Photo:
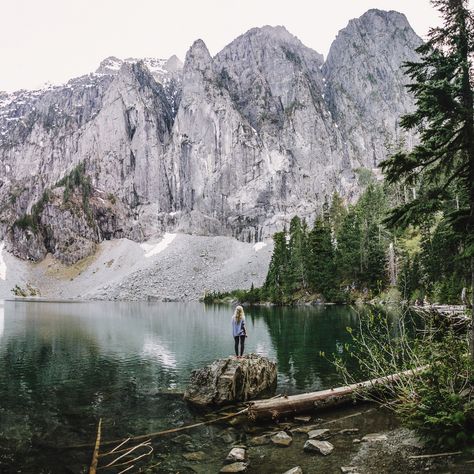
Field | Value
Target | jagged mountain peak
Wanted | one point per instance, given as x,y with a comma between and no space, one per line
173,64
110,65
388,15
161,69
197,58
273,37
377,22
278,32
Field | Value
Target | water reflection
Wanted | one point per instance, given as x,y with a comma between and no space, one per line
2,320
64,365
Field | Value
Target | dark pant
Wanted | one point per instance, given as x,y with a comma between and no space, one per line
242,344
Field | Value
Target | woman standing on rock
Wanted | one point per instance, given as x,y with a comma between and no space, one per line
238,330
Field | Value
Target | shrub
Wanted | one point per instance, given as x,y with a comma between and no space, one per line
437,401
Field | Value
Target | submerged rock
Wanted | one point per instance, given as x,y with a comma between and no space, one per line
231,380
195,456
259,440
282,439
236,455
321,447
295,470
234,467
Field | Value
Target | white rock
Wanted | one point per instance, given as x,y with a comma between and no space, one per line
236,455
295,470
321,447
281,439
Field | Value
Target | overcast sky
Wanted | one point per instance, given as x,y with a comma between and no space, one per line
55,40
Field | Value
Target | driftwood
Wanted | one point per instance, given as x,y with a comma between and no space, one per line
442,309
306,402
95,454
159,433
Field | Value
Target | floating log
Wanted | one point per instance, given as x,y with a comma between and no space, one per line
307,402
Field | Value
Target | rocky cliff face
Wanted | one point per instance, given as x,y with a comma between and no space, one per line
231,145
365,84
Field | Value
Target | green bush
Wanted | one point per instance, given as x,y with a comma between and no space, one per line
440,407
437,401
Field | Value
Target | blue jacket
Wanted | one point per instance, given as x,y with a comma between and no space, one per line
238,328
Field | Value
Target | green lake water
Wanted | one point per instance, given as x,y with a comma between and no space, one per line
65,365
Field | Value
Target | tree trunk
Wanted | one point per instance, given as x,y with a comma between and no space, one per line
306,402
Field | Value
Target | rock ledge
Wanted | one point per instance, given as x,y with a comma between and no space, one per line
231,380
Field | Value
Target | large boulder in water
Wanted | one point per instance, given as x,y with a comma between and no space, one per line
231,380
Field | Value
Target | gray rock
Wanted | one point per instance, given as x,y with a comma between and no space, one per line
282,439
319,434
295,470
227,437
349,469
236,455
321,447
304,429
235,467
230,380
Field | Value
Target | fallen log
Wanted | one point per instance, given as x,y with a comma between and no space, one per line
306,402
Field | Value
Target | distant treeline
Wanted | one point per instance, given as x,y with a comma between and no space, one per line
349,253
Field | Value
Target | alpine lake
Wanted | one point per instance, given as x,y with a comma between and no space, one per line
65,365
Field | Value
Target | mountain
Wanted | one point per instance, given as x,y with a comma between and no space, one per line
228,145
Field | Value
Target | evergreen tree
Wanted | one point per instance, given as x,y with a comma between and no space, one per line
296,278
348,254
443,162
337,212
320,259
274,283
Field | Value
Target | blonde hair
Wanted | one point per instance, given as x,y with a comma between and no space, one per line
239,313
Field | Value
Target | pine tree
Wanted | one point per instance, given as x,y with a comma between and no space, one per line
320,259
444,159
349,243
274,283
296,277
337,212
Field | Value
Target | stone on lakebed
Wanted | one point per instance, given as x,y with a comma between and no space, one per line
321,447
282,439
295,470
235,455
235,467
231,380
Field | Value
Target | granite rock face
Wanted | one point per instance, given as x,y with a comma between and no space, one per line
365,84
234,144
231,380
